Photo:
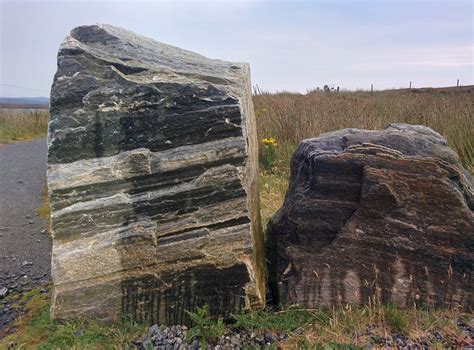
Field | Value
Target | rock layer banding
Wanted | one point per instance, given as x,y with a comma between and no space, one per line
381,215
152,176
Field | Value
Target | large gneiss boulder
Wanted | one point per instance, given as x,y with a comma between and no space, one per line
152,176
382,215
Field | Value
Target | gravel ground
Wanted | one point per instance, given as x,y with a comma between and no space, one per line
25,250
174,338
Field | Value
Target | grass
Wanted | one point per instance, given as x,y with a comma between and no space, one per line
272,192
340,328
290,118
360,326
352,327
36,330
18,124
285,321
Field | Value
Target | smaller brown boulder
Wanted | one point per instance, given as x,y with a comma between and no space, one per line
385,214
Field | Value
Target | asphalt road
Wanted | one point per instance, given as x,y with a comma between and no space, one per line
25,252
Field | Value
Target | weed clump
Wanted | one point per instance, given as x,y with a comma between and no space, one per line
205,328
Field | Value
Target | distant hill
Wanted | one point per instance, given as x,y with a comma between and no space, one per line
24,102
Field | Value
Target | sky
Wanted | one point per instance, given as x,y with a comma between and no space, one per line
290,45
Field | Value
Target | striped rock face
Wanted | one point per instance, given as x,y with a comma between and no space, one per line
152,176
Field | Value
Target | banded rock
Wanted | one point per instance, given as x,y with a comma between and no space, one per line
385,214
152,176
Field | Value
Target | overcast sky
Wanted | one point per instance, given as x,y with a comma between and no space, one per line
293,45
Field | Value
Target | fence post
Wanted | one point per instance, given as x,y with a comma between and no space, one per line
372,87
457,83
410,85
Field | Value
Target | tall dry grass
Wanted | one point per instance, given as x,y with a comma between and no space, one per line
19,124
290,117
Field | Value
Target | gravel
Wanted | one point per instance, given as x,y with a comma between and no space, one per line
174,338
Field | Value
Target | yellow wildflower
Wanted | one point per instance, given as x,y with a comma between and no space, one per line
270,141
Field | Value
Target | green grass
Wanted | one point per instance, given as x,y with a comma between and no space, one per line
16,125
348,327
285,321
396,320
343,327
204,327
36,330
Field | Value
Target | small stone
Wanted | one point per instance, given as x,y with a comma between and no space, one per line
269,338
234,340
26,263
147,344
259,340
3,292
153,329
195,344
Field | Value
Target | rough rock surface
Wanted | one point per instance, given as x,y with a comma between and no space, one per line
152,175
385,214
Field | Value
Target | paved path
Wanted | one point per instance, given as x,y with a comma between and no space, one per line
24,250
